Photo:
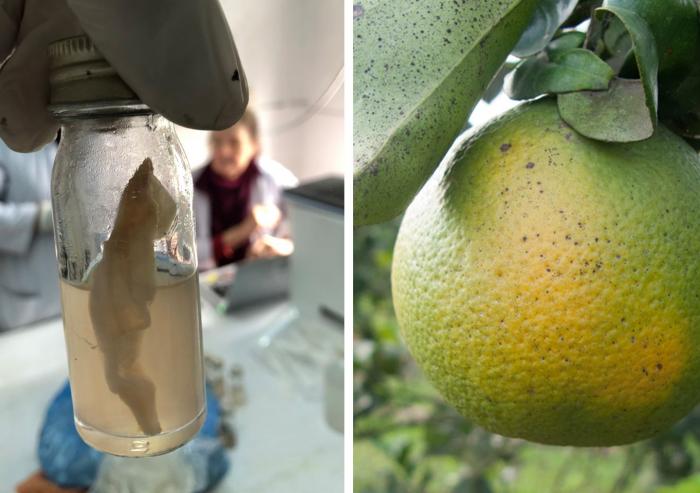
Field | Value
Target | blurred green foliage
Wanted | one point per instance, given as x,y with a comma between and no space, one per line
407,440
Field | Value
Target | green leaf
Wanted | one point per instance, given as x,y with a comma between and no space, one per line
582,12
563,71
627,111
407,443
616,38
676,30
566,41
375,471
547,18
420,68
616,115
691,484
645,52
443,474
611,41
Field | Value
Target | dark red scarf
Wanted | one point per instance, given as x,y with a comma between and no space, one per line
230,205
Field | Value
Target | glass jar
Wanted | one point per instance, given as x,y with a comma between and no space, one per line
123,223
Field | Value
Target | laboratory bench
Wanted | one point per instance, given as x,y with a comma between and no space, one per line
283,441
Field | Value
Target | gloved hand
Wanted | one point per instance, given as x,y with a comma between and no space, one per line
267,216
177,55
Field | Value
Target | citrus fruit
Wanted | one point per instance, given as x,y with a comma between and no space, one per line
549,285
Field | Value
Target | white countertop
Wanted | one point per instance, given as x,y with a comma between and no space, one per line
284,443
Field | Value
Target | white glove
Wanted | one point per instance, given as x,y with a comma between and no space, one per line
177,55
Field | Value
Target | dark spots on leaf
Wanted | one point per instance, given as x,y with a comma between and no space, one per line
357,11
530,165
659,366
644,370
505,147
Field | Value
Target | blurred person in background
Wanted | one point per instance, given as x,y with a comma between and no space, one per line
238,199
28,276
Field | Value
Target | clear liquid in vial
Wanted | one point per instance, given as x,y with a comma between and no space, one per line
138,394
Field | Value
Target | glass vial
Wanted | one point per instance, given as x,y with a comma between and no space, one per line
122,201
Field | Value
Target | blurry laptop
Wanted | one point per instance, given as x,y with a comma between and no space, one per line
252,282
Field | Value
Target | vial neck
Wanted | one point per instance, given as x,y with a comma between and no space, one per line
89,123
98,109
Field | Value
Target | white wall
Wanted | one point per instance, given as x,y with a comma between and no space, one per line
292,51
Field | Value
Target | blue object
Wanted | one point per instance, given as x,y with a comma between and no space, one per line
71,463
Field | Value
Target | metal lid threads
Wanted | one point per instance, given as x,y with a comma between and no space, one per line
78,73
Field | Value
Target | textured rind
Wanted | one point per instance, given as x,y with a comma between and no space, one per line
549,285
